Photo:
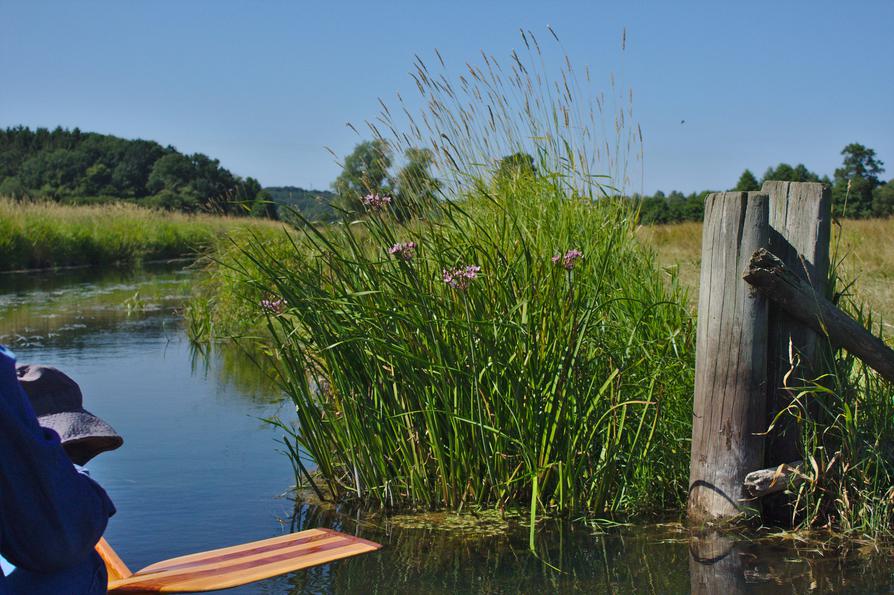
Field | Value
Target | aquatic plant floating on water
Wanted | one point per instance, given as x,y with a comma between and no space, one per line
569,259
403,250
460,277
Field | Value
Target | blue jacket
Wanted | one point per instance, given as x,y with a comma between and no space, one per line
51,516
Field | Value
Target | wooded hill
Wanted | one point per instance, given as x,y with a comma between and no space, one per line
75,167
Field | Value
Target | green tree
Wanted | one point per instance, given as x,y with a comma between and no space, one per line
96,180
13,188
855,181
882,200
860,161
514,166
786,173
365,172
747,182
415,186
172,172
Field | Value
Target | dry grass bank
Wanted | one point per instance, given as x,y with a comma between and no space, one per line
866,247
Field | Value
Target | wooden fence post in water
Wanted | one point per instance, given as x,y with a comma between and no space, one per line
800,228
729,408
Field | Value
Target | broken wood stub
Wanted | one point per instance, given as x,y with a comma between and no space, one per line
763,482
800,229
729,409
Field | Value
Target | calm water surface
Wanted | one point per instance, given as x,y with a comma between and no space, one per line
200,469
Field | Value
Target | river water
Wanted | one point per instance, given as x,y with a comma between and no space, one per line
200,469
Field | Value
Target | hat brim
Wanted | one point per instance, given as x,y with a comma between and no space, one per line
82,428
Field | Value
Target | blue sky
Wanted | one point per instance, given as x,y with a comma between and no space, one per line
264,86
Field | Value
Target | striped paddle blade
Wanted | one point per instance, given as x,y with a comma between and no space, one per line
246,563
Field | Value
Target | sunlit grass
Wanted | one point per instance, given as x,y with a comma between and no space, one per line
45,234
866,247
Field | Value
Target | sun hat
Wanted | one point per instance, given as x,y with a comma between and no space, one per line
59,405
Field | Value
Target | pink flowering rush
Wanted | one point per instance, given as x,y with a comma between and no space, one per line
460,277
403,250
275,306
374,201
569,259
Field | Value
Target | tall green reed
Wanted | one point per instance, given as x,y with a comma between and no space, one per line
513,347
565,388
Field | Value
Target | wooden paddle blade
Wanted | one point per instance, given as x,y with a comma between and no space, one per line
246,563
115,566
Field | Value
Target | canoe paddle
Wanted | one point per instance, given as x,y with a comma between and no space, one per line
233,566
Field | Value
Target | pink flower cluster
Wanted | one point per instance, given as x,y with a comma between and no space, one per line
374,201
275,306
460,277
403,250
569,259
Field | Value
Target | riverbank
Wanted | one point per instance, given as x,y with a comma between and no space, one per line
48,235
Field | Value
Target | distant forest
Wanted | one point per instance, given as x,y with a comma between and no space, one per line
70,166
857,190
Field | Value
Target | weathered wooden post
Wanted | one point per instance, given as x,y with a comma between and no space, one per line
729,409
800,229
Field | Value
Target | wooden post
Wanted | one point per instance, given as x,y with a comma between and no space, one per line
800,228
729,408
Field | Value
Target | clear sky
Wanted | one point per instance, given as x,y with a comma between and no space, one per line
265,85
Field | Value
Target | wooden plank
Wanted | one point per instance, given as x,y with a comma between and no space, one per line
772,278
800,229
238,565
729,408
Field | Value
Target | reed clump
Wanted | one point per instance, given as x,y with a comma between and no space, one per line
519,347
511,346
44,234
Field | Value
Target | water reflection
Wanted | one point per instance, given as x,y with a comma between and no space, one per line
57,308
657,558
242,366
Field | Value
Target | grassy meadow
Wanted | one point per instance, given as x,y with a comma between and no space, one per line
37,235
864,249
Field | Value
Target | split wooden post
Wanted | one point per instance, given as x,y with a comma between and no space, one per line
800,230
729,409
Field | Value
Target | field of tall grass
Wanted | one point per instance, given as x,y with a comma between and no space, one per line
44,235
865,255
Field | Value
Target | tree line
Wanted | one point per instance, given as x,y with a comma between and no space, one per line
71,166
857,190
84,167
